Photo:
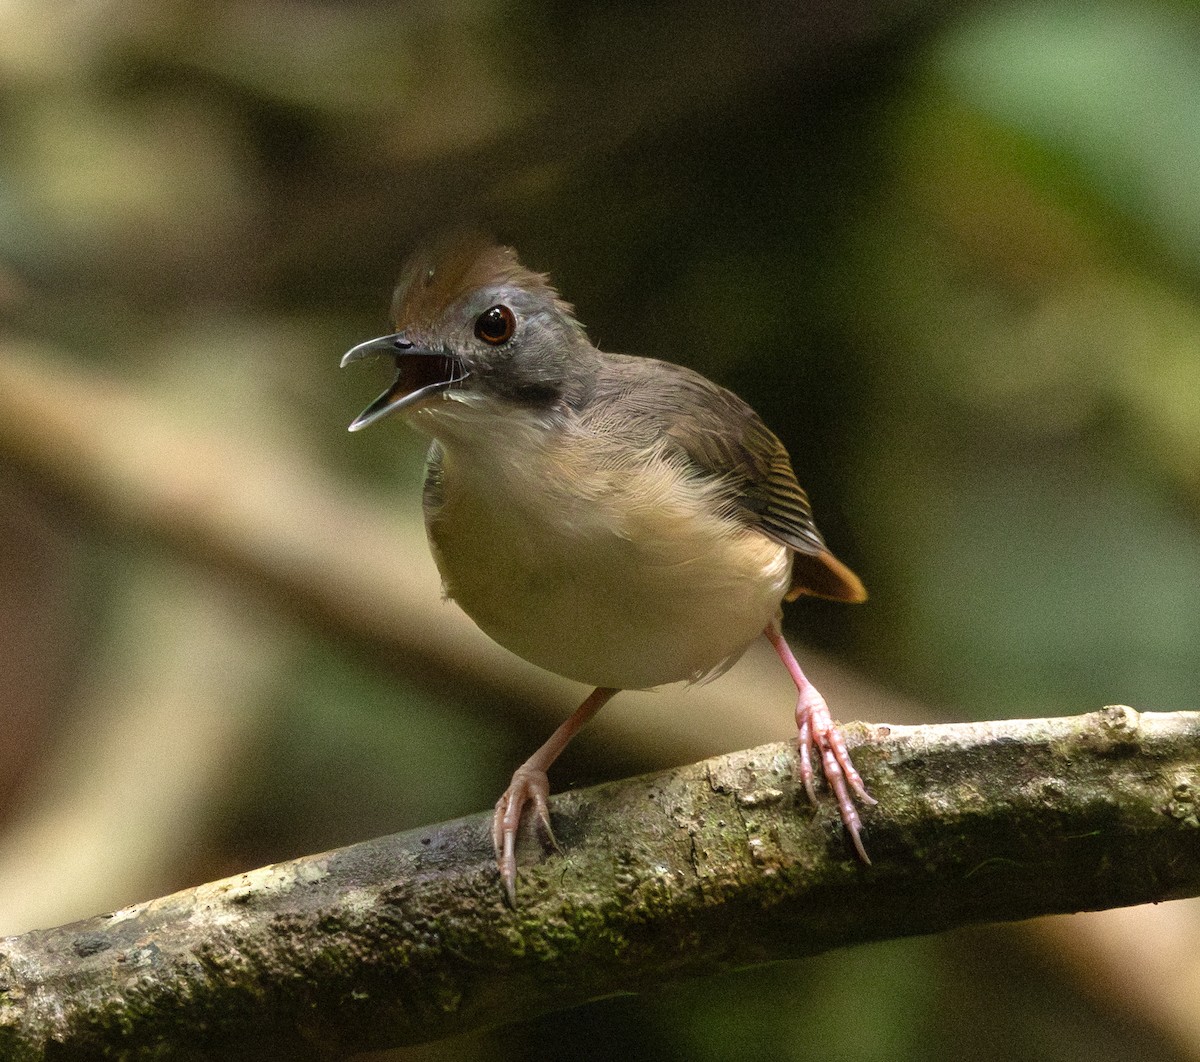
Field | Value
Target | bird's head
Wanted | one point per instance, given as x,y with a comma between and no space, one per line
474,329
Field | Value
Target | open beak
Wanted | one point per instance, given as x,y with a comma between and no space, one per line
420,374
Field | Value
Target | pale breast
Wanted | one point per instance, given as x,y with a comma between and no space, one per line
603,568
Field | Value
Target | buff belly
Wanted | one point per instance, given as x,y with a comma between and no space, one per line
624,577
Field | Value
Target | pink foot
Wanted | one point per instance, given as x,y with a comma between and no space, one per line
528,784
819,733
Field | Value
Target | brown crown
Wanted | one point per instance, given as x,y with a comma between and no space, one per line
435,277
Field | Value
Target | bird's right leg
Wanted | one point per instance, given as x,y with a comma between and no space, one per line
529,783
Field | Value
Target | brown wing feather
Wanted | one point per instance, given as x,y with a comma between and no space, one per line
722,436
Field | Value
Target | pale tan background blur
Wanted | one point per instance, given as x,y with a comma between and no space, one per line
950,252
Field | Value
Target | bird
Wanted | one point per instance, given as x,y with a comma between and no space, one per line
621,521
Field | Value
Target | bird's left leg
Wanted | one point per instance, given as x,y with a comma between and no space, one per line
818,731
529,783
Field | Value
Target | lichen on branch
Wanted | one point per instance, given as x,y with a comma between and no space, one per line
684,872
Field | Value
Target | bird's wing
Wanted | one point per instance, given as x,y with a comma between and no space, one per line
721,436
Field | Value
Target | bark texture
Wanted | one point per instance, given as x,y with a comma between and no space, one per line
681,873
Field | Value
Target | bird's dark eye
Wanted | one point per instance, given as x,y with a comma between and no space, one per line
496,325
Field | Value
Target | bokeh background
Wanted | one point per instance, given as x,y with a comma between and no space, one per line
951,252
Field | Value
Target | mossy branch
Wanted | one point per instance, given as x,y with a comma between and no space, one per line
685,872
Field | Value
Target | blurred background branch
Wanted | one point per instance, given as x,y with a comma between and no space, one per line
950,252
231,501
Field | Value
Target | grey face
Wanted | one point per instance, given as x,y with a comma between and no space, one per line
496,345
